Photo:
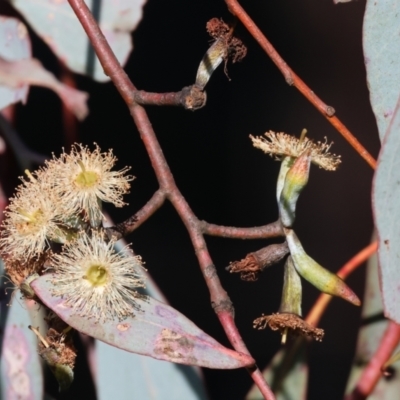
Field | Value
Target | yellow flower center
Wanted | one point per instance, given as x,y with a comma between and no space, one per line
97,275
32,220
86,179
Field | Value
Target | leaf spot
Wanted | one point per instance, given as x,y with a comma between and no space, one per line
123,327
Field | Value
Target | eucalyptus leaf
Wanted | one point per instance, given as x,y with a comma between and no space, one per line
21,370
157,330
386,207
57,24
381,44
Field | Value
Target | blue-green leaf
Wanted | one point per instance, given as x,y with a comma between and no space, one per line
381,43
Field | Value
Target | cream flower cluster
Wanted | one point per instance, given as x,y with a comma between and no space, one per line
61,203
59,199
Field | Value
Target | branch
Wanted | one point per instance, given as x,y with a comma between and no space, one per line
124,228
190,98
273,229
219,298
292,79
372,373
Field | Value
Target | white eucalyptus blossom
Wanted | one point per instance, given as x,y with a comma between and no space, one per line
83,178
96,281
31,217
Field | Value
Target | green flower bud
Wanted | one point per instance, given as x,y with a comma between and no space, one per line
292,291
295,181
286,163
321,278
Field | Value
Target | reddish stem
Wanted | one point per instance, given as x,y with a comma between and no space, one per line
258,232
372,373
292,79
190,97
128,226
323,300
219,297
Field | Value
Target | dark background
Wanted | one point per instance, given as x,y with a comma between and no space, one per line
224,179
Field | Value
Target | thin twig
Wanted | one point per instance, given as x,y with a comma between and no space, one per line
124,228
323,300
191,98
292,79
219,297
273,229
372,372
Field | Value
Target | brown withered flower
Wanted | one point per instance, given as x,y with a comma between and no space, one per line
58,351
254,263
18,270
219,30
285,323
288,318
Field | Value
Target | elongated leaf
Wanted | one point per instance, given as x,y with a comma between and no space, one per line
14,45
386,206
370,334
57,24
287,374
157,330
381,43
123,375
21,370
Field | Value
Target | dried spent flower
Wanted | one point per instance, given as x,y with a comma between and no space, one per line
19,270
63,346
82,178
292,322
31,217
254,263
219,30
59,353
281,144
96,281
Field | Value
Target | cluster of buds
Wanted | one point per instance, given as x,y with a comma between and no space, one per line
296,156
61,203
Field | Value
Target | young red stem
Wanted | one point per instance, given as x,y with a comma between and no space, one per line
273,229
128,226
190,97
323,300
372,372
219,297
292,79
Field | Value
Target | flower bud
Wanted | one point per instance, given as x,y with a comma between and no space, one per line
62,372
286,163
321,278
292,291
210,62
288,320
295,181
57,350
